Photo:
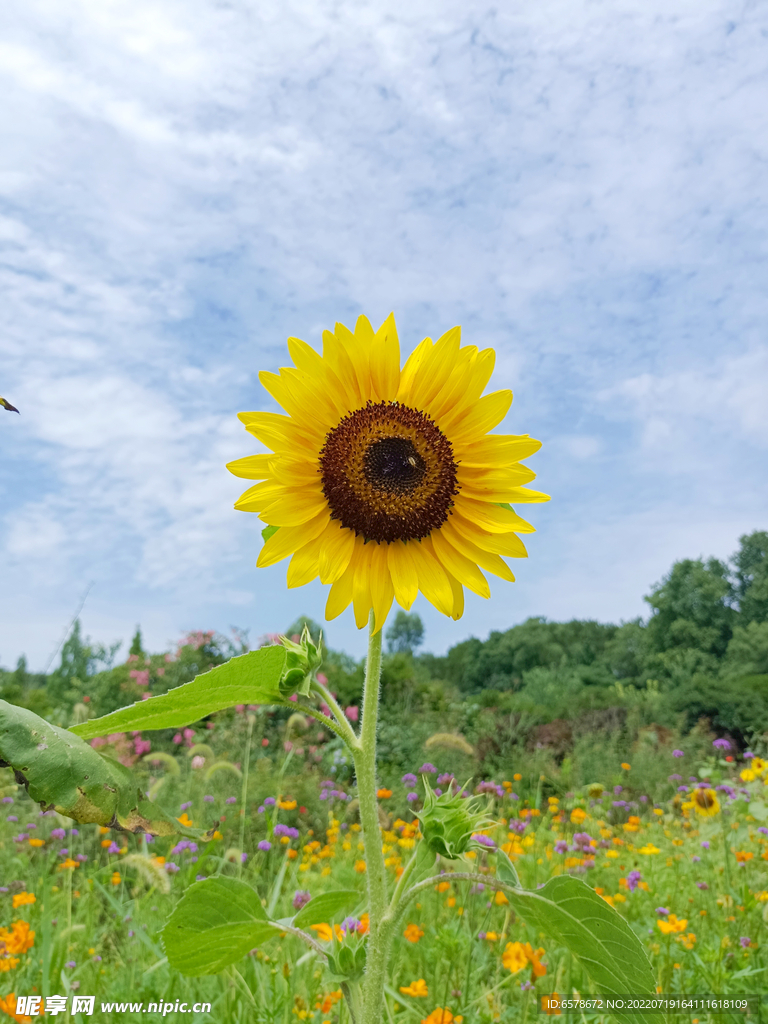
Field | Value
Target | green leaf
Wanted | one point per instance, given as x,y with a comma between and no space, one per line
216,923
572,914
269,531
323,908
758,810
505,869
63,772
250,679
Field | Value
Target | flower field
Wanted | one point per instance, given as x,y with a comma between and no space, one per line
686,866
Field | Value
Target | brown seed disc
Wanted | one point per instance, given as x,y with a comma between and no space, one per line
388,473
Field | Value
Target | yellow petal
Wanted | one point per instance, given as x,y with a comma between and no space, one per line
382,591
296,473
252,467
465,570
340,595
452,391
298,402
290,539
402,569
357,350
496,486
336,355
259,496
490,516
385,361
433,581
487,560
525,496
507,544
411,369
361,584
336,547
475,383
278,432
496,450
436,368
294,508
483,416
303,566
458,597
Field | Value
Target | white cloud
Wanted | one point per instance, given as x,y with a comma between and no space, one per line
189,182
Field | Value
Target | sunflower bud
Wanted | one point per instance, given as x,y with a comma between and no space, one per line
302,660
448,822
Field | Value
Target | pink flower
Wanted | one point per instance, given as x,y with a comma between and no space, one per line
325,709
323,680
352,712
161,671
198,761
293,697
146,696
178,738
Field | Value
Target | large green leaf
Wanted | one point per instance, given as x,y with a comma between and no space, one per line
572,914
327,905
63,772
250,679
217,921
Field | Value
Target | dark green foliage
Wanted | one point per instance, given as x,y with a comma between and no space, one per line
136,644
691,608
739,707
751,577
405,634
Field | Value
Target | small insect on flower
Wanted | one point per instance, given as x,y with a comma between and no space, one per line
385,481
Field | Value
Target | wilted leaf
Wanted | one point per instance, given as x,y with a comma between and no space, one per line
63,772
250,679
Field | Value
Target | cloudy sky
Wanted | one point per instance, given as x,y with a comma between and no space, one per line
185,183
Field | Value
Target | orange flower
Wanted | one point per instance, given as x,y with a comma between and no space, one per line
517,955
551,1004
287,805
417,989
625,766
19,939
413,933
500,899
672,925
441,1016
116,879
185,820
742,856
325,934
8,1005
383,794
442,887
578,814
360,867
37,842
22,898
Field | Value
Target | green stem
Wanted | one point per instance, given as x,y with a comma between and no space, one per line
345,730
365,770
244,791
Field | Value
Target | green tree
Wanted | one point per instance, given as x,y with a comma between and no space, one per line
750,565
692,608
136,644
405,634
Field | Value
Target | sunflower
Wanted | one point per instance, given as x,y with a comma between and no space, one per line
385,481
705,802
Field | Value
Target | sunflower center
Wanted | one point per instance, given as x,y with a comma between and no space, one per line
394,464
388,473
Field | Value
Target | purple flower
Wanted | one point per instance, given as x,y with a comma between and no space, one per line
526,986
409,779
444,779
199,878
265,845
705,844
7,799
561,846
702,885
113,848
11,817
588,863
21,837
186,806
582,839
695,859
748,755
82,857
517,825
269,801
744,941
682,789
763,830
231,800
633,880
261,808
476,888
721,744
675,778
350,925
678,753
427,769
74,832
131,934
481,935
63,852
171,868
58,833
73,963
617,790
484,840
243,857
209,799
301,898
412,797
662,910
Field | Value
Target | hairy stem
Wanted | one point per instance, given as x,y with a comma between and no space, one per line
365,769
344,730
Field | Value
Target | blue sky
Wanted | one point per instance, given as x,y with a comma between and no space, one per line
185,184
